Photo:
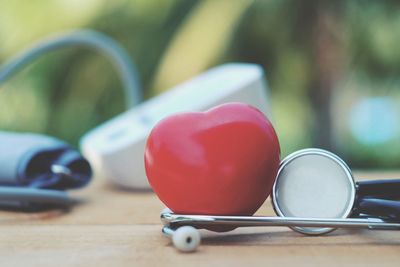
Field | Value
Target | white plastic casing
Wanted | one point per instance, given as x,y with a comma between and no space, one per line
115,149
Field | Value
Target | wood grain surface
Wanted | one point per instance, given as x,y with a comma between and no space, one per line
114,227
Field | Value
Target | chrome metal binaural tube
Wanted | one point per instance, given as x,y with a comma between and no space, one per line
177,220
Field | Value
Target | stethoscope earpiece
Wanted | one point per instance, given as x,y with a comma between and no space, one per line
185,238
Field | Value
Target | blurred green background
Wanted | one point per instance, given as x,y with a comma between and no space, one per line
332,66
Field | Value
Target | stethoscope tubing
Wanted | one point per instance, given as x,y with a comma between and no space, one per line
384,189
384,208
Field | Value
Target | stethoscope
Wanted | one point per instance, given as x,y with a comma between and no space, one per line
314,193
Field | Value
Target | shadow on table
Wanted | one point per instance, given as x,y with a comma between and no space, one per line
110,186
290,238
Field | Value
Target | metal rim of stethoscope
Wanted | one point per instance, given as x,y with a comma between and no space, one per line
320,152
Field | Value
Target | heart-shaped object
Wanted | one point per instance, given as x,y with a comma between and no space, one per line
220,162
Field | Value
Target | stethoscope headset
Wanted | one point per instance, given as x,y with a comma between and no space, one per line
43,168
314,193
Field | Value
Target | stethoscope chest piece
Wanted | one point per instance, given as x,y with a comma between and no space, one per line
313,183
314,193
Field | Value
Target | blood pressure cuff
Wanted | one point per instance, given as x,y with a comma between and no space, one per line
34,160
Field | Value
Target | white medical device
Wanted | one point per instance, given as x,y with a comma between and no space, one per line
116,148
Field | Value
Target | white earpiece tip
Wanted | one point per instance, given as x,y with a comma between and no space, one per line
186,239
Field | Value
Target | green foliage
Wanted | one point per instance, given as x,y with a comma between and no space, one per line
68,92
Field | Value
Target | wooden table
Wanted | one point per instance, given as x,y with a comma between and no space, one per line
122,228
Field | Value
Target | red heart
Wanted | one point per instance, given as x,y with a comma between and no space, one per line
220,162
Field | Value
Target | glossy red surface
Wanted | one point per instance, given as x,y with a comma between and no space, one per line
221,162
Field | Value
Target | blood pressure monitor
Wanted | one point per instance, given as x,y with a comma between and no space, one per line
115,149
